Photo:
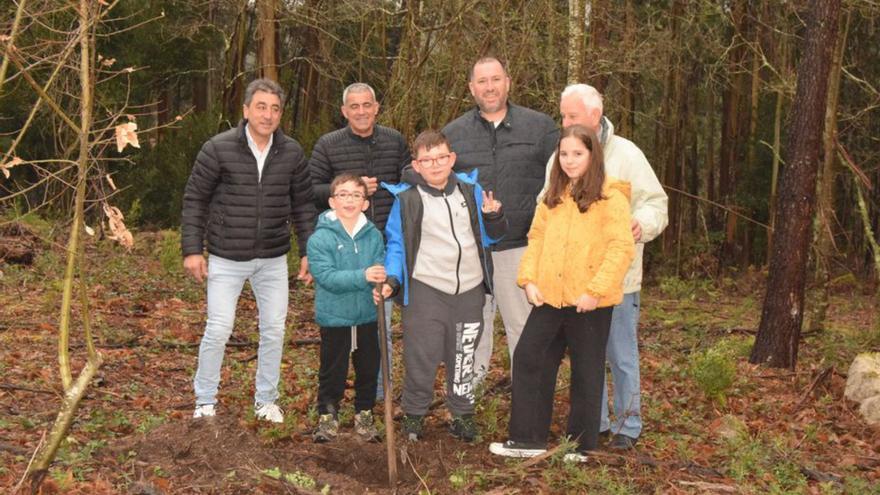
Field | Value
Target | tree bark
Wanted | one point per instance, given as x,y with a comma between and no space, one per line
823,225
266,35
576,22
233,92
782,316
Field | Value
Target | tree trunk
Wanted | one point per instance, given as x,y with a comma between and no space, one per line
823,224
233,92
598,12
628,104
731,130
576,22
779,332
266,36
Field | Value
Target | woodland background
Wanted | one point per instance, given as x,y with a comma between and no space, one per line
705,88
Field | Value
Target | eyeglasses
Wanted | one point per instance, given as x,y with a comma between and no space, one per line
345,196
440,160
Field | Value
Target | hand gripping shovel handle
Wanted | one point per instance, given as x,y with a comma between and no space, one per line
386,383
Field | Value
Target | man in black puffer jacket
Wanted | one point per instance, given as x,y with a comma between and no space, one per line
509,145
246,187
376,153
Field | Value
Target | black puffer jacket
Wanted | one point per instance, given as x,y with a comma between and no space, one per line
247,217
511,158
382,155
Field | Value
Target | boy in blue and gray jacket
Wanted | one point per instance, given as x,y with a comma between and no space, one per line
345,257
439,231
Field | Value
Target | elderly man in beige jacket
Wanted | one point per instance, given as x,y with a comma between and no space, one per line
582,104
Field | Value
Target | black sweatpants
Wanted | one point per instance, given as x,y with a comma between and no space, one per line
336,344
440,327
547,334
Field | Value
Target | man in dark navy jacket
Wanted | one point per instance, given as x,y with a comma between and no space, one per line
510,145
248,184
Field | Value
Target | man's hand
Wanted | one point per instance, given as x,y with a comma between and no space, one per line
490,204
386,293
636,230
196,266
304,274
372,184
586,303
375,274
534,295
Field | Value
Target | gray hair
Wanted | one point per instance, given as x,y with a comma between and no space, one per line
265,85
357,87
589,95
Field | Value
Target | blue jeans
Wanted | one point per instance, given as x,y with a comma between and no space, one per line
226,278
622,353
380,388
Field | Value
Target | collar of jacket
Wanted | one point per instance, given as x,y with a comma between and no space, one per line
277,136
371,139
433,191
507,121
413,179
604,127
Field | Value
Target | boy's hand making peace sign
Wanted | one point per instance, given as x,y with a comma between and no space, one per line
490,204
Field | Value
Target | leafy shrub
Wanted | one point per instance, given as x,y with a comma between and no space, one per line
169,251
714,371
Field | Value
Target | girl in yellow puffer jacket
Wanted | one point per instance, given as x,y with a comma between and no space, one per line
580,246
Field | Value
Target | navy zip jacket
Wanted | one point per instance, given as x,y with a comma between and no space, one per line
511,159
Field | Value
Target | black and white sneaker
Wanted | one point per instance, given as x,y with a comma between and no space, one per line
516,449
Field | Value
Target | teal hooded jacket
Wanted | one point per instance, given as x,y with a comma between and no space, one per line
343,297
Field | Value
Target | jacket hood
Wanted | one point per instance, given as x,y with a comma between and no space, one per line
620,185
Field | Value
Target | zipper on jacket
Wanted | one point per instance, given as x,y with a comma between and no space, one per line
260,174
454,236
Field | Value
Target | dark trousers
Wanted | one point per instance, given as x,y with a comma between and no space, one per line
335,349
440,327
547,333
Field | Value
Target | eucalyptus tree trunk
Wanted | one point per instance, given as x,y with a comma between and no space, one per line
233,74
266,33
578,17
823,225
782,316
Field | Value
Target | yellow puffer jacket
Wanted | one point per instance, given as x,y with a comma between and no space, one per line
571,253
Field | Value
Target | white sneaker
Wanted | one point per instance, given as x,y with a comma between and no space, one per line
204,411
269,412
514,449
575,457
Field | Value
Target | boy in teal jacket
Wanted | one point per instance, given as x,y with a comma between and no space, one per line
345,257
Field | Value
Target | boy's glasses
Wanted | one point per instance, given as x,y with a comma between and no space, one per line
345,196
440,160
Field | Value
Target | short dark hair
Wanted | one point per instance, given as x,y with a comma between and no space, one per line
266,85
343,178
485,60
586,189
429,139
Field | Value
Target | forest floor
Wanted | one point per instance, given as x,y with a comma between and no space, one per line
713,422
